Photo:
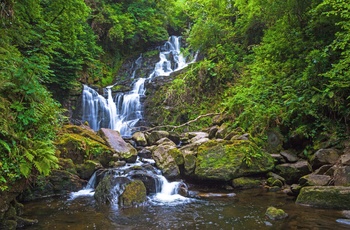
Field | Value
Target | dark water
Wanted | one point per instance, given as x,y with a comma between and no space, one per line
244,211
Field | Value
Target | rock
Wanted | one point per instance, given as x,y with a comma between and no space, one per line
154,136
86,170
273,182
67,164
139,138
315,180
210,195
345,159
246,183
278,158
174,137
226,160
346,213
116,142
325,156
197,136
275,213
323,170
289,157
145,153
109,189
167,158
165,141
222,131
341,176
23,222
189,155
134,194
293,171
295,188
59,182
337,197
212,131
149,179
276,176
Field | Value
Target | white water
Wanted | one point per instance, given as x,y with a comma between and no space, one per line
123,112
87,191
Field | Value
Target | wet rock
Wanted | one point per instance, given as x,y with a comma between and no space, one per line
315,180
325,156
226,160
165,141
325,196
139,138
289,157
275,213
149,179
175,137
109,189
116,142
211,195
324,170
86,170
273,182
246,183
222,131
197,137
167,158
189,155
295,189
278,158
145,153
293,171
134,194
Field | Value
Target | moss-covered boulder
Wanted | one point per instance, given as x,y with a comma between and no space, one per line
86,169
79,148
110,188
337,197
246,183
226,160
325,156
315,180
190,156
134,194
275,213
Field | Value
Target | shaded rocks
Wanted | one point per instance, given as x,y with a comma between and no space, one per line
324,156
325,196
291,172
134,194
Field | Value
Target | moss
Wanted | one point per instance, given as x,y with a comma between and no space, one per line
134,193
337,197
176,154
245,183
272,182
275,213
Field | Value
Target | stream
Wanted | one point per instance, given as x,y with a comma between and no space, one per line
244,211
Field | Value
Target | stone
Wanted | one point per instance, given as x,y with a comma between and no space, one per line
154,136
341,176
145,153
167,158
323,170
291,172
165,141
289,157
275,213
125,150
86,170
197,136
345,159
346,213
149,179
324,156
139,138
189,155
337,197
278,158
274,182
246,183
134,194
226,160
109,189
212,131
315,180
222,131
295,188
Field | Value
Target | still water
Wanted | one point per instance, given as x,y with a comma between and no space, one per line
246,210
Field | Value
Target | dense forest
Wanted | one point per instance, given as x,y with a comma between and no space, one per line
268,65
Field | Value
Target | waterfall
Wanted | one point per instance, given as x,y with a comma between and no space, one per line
124,111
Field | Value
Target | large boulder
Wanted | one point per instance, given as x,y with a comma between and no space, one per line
154,136
168,158
325,196
110,188
226,160
341,176
125,150
293,171
315,180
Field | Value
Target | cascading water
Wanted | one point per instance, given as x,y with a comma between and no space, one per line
124,111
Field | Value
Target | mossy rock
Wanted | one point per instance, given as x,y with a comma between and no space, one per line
134,194
337,197
273,182
226,160
80,148
86,169
82,131
246,183
275,213
67,164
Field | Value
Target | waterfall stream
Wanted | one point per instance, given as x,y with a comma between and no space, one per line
123,111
